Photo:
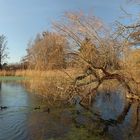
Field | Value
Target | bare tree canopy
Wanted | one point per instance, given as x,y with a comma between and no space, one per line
3,50
102,53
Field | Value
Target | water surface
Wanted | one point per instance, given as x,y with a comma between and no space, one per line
14,119
21,121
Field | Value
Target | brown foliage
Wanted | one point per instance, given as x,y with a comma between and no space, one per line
47,52
100,53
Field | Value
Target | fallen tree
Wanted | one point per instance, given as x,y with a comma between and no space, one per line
101,53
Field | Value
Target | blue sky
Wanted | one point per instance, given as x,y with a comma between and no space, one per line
21,20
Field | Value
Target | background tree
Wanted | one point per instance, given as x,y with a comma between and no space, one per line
47,51
3,50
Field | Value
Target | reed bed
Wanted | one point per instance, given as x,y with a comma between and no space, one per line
7,73
51,84
54,84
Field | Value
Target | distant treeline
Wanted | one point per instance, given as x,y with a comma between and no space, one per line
14,66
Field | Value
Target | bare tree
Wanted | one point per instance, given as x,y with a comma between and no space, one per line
3,50
100,50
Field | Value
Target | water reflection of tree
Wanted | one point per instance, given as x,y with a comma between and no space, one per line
0,85
135,119
132,107
0,91
122,116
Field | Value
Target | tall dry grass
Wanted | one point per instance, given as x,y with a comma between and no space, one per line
7,73
51,84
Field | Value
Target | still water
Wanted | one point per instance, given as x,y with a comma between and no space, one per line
121,116
21,121
14,119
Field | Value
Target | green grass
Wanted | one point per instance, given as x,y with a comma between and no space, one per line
12,78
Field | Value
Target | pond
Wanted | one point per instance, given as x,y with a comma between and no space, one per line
14,119
28,117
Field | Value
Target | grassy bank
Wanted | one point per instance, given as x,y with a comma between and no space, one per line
55,84
51,84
